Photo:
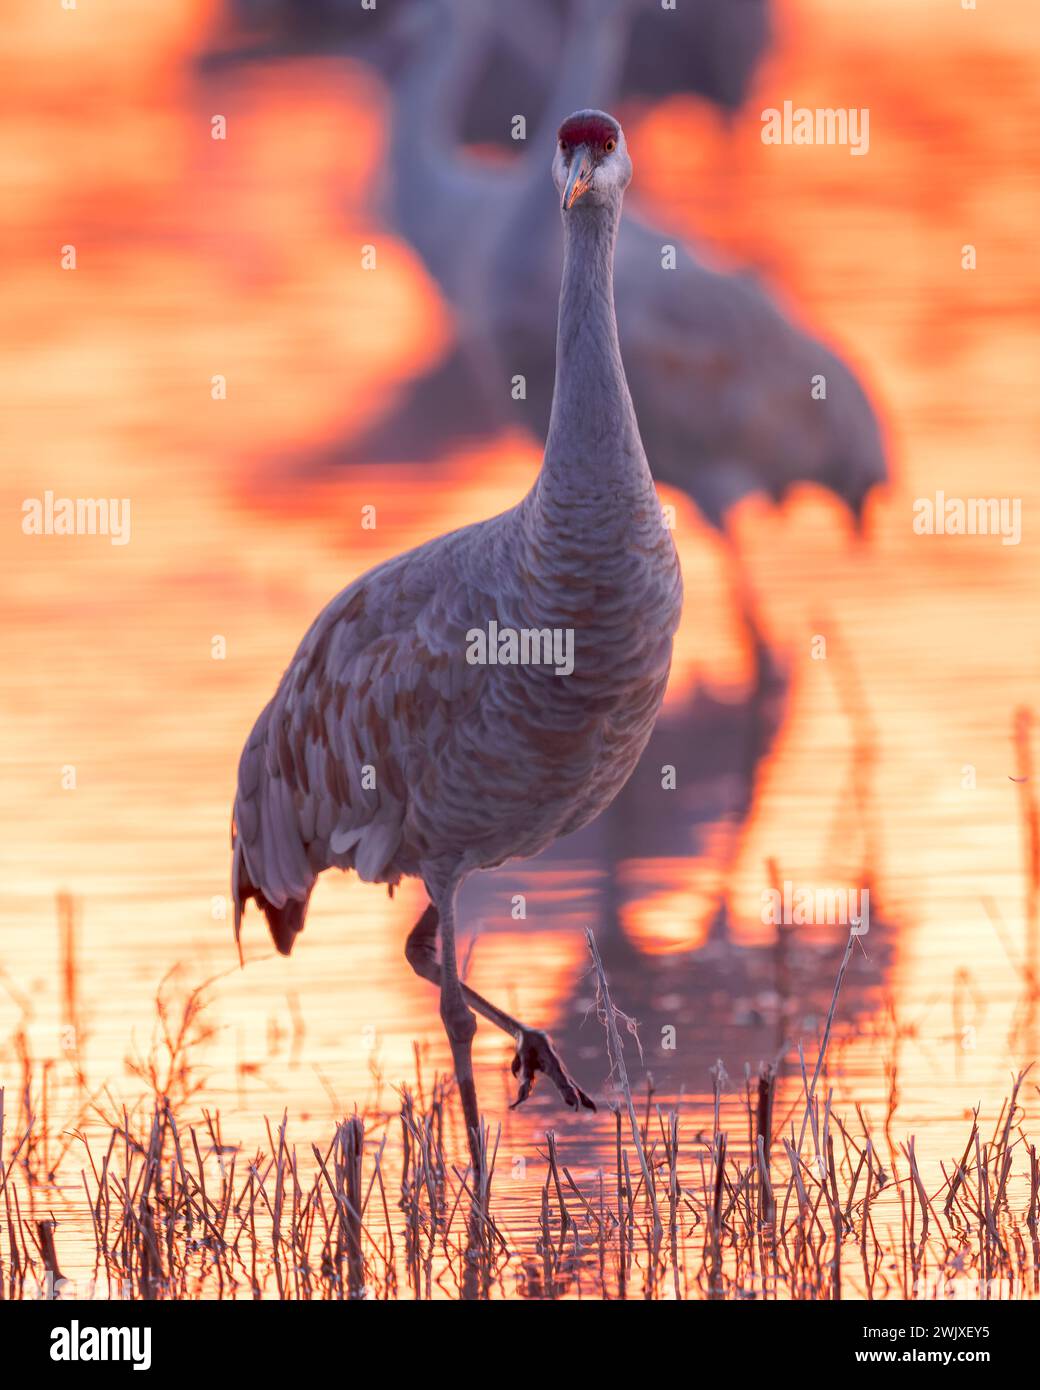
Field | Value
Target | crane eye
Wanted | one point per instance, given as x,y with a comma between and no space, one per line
563,144
610,146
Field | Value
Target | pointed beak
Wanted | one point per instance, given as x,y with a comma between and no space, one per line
579,177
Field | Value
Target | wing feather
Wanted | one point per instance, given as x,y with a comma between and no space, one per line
370,688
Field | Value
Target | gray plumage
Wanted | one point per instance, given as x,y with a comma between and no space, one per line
384,750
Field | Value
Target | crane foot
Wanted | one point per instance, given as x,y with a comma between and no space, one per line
535,1053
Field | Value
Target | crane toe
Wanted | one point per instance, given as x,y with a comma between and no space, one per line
534,1054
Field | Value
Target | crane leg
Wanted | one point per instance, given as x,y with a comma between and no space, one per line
460,1025
534,1051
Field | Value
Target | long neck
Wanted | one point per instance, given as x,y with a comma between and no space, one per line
426,168
593,447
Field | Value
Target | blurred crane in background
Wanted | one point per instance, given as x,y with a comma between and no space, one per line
728,391
708,48
733,398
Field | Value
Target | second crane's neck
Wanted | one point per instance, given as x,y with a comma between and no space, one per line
593,450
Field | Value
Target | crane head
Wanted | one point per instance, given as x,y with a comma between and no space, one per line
591,164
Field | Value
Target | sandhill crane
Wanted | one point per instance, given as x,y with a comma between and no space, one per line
390,749
726,388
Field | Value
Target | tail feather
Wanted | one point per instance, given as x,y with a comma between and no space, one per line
285,923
